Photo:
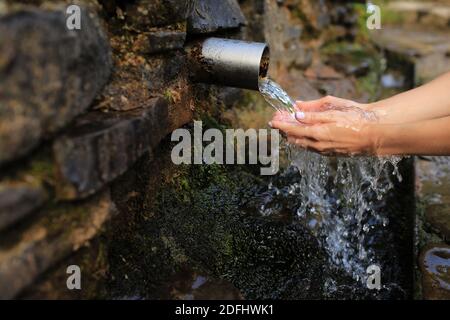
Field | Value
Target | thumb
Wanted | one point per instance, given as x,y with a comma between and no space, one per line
321,104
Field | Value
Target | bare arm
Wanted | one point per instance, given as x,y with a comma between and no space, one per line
429,137
416,122
429,101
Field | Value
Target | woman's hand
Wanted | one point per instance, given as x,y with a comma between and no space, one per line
285,117
413,122
324,103
332,109
350,116
330,138
329,129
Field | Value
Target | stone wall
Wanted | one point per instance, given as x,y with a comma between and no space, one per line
84,150
78,109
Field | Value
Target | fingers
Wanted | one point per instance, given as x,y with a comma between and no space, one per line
301,142
323,148
278,116
322,104
297,105
284,116
299,131
315,105
317,117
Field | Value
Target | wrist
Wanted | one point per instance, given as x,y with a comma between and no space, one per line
388,139
383,139
372,106
380,111
375,137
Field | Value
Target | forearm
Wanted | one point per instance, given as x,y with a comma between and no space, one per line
429,137
429,101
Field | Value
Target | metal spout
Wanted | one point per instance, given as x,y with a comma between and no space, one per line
229,62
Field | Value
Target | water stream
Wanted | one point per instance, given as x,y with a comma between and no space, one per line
275,95
338,198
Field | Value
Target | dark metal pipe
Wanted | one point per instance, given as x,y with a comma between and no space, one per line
229,62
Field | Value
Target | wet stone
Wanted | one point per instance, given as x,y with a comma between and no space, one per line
165,40
18,201
423,13
164,68
102,146
48,75
435,266
314,13
254,14
358,68
212,15
322,72
270,257
344,88
229,96
432,66
149,13
133,86
284,37
56,234
93,264
297,86
343,14
189,285
428,51
297,55
433,183
438,217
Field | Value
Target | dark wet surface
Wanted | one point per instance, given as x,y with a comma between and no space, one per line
437,264
187,284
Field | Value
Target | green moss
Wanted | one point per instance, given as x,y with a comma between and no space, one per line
93,262
208,121
228,245
168,95
369,84
389,16
201,220
392,17
361,23
252,111
200,210
42,168
178,255
37,169
63,217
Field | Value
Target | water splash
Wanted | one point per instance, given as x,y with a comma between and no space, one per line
343,195
337,198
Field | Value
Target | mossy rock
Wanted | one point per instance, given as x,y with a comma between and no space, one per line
258,255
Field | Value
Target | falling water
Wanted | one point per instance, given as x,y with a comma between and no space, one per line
275,95
337,197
